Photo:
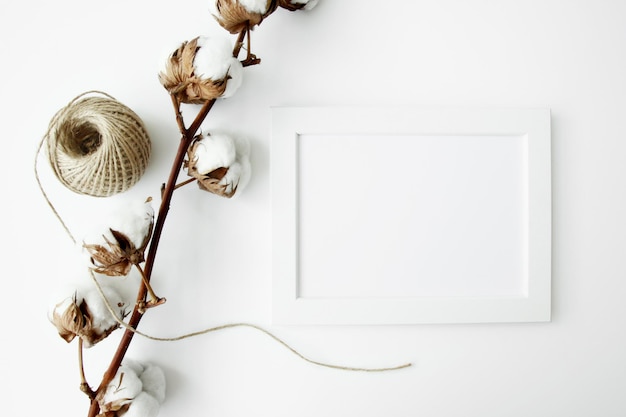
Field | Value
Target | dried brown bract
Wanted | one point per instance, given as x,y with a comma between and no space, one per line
114,409
73,321
118,257
236,16
211,182
74,317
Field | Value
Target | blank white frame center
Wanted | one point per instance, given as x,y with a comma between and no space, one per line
410,215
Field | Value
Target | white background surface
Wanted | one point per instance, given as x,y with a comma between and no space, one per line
214,262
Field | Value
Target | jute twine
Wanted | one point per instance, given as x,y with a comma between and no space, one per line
97,146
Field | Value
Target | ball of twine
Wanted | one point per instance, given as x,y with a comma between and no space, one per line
97,146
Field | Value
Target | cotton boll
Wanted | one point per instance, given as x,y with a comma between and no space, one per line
214,151
153,380
221,167
143,405
138,386
82,312
202,69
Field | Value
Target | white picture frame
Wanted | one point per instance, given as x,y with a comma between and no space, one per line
351,188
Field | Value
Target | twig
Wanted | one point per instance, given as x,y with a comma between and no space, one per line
84,386
154,300
179,117
182,184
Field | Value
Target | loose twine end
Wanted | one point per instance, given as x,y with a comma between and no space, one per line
233,325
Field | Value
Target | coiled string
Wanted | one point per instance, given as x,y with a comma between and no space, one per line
97,146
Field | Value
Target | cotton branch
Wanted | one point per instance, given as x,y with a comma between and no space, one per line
167,192
198,88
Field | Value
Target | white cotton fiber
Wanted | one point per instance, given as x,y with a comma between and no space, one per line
235,78
143,405
136,366
213,57
126,385
214,151
254,6
133,218
100,315
240,171
153,380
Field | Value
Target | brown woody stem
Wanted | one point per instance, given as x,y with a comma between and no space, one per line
239,43
166,198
